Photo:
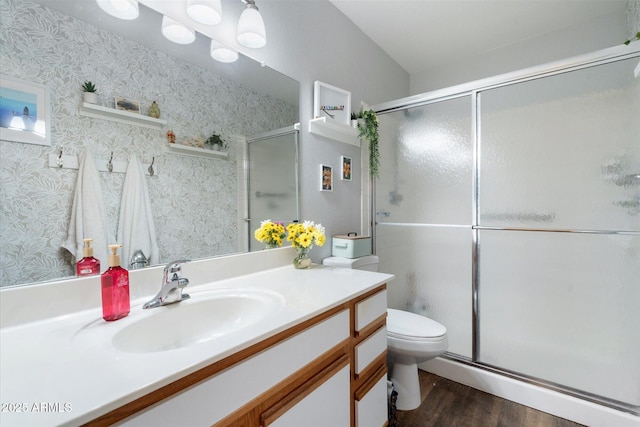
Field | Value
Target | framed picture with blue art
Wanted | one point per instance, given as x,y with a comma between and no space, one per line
24,112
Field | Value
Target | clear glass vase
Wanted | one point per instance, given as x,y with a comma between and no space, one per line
302,260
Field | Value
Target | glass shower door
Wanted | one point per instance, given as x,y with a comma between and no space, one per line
424,213
272,182
559,230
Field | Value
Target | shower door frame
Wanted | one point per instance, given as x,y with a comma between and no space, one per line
472,89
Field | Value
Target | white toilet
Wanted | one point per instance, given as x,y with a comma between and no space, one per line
411,339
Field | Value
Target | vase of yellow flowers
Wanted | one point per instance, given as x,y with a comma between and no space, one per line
270,233
302,237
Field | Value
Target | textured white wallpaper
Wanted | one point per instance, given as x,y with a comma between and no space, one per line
194,199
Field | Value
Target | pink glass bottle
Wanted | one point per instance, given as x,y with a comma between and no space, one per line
115,288
88,265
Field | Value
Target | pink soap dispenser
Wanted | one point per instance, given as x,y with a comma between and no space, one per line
115,288
88,265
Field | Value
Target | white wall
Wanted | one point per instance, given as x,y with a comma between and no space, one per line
607,31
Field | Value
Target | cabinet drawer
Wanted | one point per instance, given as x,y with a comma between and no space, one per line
327,405
369,349
370,309
214,398
371,409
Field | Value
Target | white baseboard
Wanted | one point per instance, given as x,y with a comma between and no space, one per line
542,399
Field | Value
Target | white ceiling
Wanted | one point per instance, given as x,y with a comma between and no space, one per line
443,31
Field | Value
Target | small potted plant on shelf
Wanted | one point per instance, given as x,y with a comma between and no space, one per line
354,119
90,94
368,128
216,142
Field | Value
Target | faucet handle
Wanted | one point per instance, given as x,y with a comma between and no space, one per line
172,270
174,266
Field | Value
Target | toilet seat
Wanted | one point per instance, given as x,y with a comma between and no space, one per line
413,327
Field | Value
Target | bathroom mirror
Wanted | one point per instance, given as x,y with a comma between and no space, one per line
197,201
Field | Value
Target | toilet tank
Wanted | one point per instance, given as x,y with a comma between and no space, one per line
368,263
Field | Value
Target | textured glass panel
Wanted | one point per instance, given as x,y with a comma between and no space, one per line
426,164
272,182
563,151
563,307
432,266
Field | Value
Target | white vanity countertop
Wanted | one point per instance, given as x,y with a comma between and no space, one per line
65,371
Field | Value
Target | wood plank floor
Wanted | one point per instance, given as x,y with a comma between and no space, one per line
449,404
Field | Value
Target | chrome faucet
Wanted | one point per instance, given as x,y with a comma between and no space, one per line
172,285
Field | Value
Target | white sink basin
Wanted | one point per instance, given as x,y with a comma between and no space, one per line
204,317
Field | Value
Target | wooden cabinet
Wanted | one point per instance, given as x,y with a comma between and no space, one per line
328,370
369,360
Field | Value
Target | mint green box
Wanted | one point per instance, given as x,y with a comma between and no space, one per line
350,246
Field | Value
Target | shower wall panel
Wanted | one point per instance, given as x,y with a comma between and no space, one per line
564,308
433,276
563,152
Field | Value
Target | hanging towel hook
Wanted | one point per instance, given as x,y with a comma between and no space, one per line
110,163
59,160
150,169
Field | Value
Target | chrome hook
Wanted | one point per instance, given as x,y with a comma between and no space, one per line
150,169
110,163
59,160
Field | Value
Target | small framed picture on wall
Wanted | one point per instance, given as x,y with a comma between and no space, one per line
326,178
346,168
24,112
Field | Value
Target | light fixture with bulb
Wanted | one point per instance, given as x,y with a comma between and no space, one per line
208,12
222,53
176,32
123,9
251,32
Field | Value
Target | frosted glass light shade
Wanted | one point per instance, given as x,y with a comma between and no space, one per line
222,53
251,32
176,32
123,9
208,12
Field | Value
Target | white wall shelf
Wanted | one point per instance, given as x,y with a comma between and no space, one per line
186,150
120,116
334,130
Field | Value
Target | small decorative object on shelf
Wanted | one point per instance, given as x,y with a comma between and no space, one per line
90,94
302,237
171,137
270,233
331,102
354,119
215,142
154,110
326,108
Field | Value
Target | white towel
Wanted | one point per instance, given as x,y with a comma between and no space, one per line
88,216
135,228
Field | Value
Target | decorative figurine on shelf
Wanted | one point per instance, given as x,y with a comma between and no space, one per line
154,110
171,137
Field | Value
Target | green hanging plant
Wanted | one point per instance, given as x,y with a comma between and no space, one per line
637,37
368,128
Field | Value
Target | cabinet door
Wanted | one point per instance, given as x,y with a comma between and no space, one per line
371,407
326,405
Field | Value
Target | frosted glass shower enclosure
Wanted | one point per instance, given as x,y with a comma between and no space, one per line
509,211
272,180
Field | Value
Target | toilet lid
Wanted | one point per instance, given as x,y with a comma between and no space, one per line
404,323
